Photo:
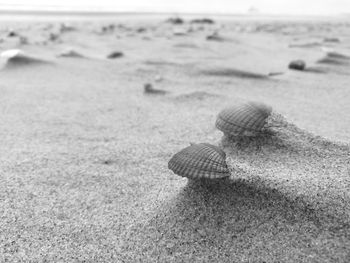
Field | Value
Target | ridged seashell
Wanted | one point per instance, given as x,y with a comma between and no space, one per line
246,119
198,161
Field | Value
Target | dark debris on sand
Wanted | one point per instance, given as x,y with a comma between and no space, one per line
149,89
203,21
297,64
175,20
115,54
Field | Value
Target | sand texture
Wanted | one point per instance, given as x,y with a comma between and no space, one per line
86,137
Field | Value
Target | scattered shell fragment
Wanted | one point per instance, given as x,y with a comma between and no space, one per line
245,119
54,37
12,33
66,28
215,37
297,64
199,161
175,20
148,88
70,52
202,21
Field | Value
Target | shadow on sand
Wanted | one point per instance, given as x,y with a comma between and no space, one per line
223,220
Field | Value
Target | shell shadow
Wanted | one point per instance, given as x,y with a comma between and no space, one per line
317,70
230,199
215,218
17,62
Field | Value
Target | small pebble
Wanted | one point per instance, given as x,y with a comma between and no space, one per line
12,34
215,37
297,64
115,54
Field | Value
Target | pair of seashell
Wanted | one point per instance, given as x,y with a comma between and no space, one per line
204,160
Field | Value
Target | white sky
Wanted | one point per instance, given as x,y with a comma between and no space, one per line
203,6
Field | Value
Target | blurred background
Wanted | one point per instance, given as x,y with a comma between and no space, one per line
289,7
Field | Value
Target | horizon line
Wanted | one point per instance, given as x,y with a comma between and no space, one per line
177,13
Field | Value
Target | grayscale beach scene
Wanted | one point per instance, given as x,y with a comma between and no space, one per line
155,132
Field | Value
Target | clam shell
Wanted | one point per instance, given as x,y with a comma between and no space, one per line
201,160
246,119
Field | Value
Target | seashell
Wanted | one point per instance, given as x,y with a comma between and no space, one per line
198,161
297,64
246,119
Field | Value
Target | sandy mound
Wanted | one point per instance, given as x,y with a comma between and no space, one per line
237,73
17,58
230,222
335,58
161,62
288,187
186,45
297,163
306,45
71,53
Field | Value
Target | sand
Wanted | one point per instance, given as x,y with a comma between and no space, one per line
84,150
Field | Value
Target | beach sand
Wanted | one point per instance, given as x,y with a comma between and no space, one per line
84,149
